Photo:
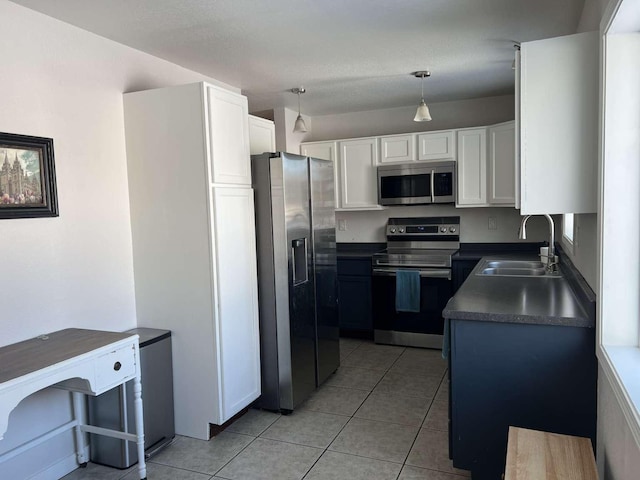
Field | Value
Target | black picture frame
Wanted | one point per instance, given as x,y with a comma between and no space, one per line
27,177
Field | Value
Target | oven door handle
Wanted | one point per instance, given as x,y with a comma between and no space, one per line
388,272
433,186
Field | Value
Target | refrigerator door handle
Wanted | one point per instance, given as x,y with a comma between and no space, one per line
299,251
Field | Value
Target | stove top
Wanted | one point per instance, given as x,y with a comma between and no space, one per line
420,242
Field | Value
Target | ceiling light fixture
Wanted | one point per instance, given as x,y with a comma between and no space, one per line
422,113
299,125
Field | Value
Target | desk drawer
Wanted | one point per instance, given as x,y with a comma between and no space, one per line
112,367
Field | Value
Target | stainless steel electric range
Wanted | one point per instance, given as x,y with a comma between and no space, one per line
423,244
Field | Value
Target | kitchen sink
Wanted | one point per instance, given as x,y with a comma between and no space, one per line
516,268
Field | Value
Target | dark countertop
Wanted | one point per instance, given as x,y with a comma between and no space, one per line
475,251
541,301
358,250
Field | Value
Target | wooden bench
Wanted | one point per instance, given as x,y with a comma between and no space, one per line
534,455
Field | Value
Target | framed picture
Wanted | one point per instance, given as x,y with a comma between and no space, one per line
27,177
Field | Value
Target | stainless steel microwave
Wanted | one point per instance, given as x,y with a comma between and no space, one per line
417,183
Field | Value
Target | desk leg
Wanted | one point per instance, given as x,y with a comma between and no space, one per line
77,415
137,395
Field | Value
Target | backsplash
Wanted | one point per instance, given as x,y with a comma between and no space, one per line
475,223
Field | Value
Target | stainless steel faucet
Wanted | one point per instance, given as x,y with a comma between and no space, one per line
522,234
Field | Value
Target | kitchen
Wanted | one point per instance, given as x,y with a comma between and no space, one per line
83,286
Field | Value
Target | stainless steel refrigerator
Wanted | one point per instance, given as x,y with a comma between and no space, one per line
297,279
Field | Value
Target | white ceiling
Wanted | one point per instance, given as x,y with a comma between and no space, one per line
351,55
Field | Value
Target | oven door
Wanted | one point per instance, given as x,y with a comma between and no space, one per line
420,329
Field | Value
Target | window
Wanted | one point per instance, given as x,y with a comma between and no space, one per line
619,231
568,228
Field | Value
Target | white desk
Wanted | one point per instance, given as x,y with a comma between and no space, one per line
88,362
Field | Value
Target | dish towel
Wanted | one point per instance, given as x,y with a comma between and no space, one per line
407,291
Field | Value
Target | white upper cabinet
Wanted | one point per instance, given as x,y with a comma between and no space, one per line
472,167
358,174
559,124
437,145
322,150
262,135
397,148
228,128
501,173
325,151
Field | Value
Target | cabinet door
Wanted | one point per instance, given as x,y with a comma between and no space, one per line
472,167
437,145
397,148
559,124
236,297
460,271
262,135
325,151
228,137
502,164
355,303
358,175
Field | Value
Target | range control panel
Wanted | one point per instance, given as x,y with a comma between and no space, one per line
424,226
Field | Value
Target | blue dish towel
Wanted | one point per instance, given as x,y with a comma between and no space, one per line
407,291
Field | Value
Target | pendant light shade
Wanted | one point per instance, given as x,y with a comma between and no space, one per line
300,126
422,113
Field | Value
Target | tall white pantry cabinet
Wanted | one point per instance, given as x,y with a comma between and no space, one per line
194,254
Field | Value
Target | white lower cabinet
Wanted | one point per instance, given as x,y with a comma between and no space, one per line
358,174
238,339
194,247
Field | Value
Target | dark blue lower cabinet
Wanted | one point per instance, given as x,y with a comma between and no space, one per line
542,377
355,305
461,268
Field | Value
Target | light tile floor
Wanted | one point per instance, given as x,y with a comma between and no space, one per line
381,416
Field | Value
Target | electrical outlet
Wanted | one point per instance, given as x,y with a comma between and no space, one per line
493,223
342,225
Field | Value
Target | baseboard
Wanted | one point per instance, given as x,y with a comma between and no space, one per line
60,468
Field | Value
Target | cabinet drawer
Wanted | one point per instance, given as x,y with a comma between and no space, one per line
360,267
112,367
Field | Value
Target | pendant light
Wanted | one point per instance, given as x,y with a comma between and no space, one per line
517,47
422,113
299,125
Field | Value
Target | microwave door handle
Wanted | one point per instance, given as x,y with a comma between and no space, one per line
433,184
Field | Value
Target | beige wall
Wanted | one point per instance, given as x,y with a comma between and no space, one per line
75,270
446,115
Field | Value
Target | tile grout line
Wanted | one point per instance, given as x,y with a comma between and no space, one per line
351,417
